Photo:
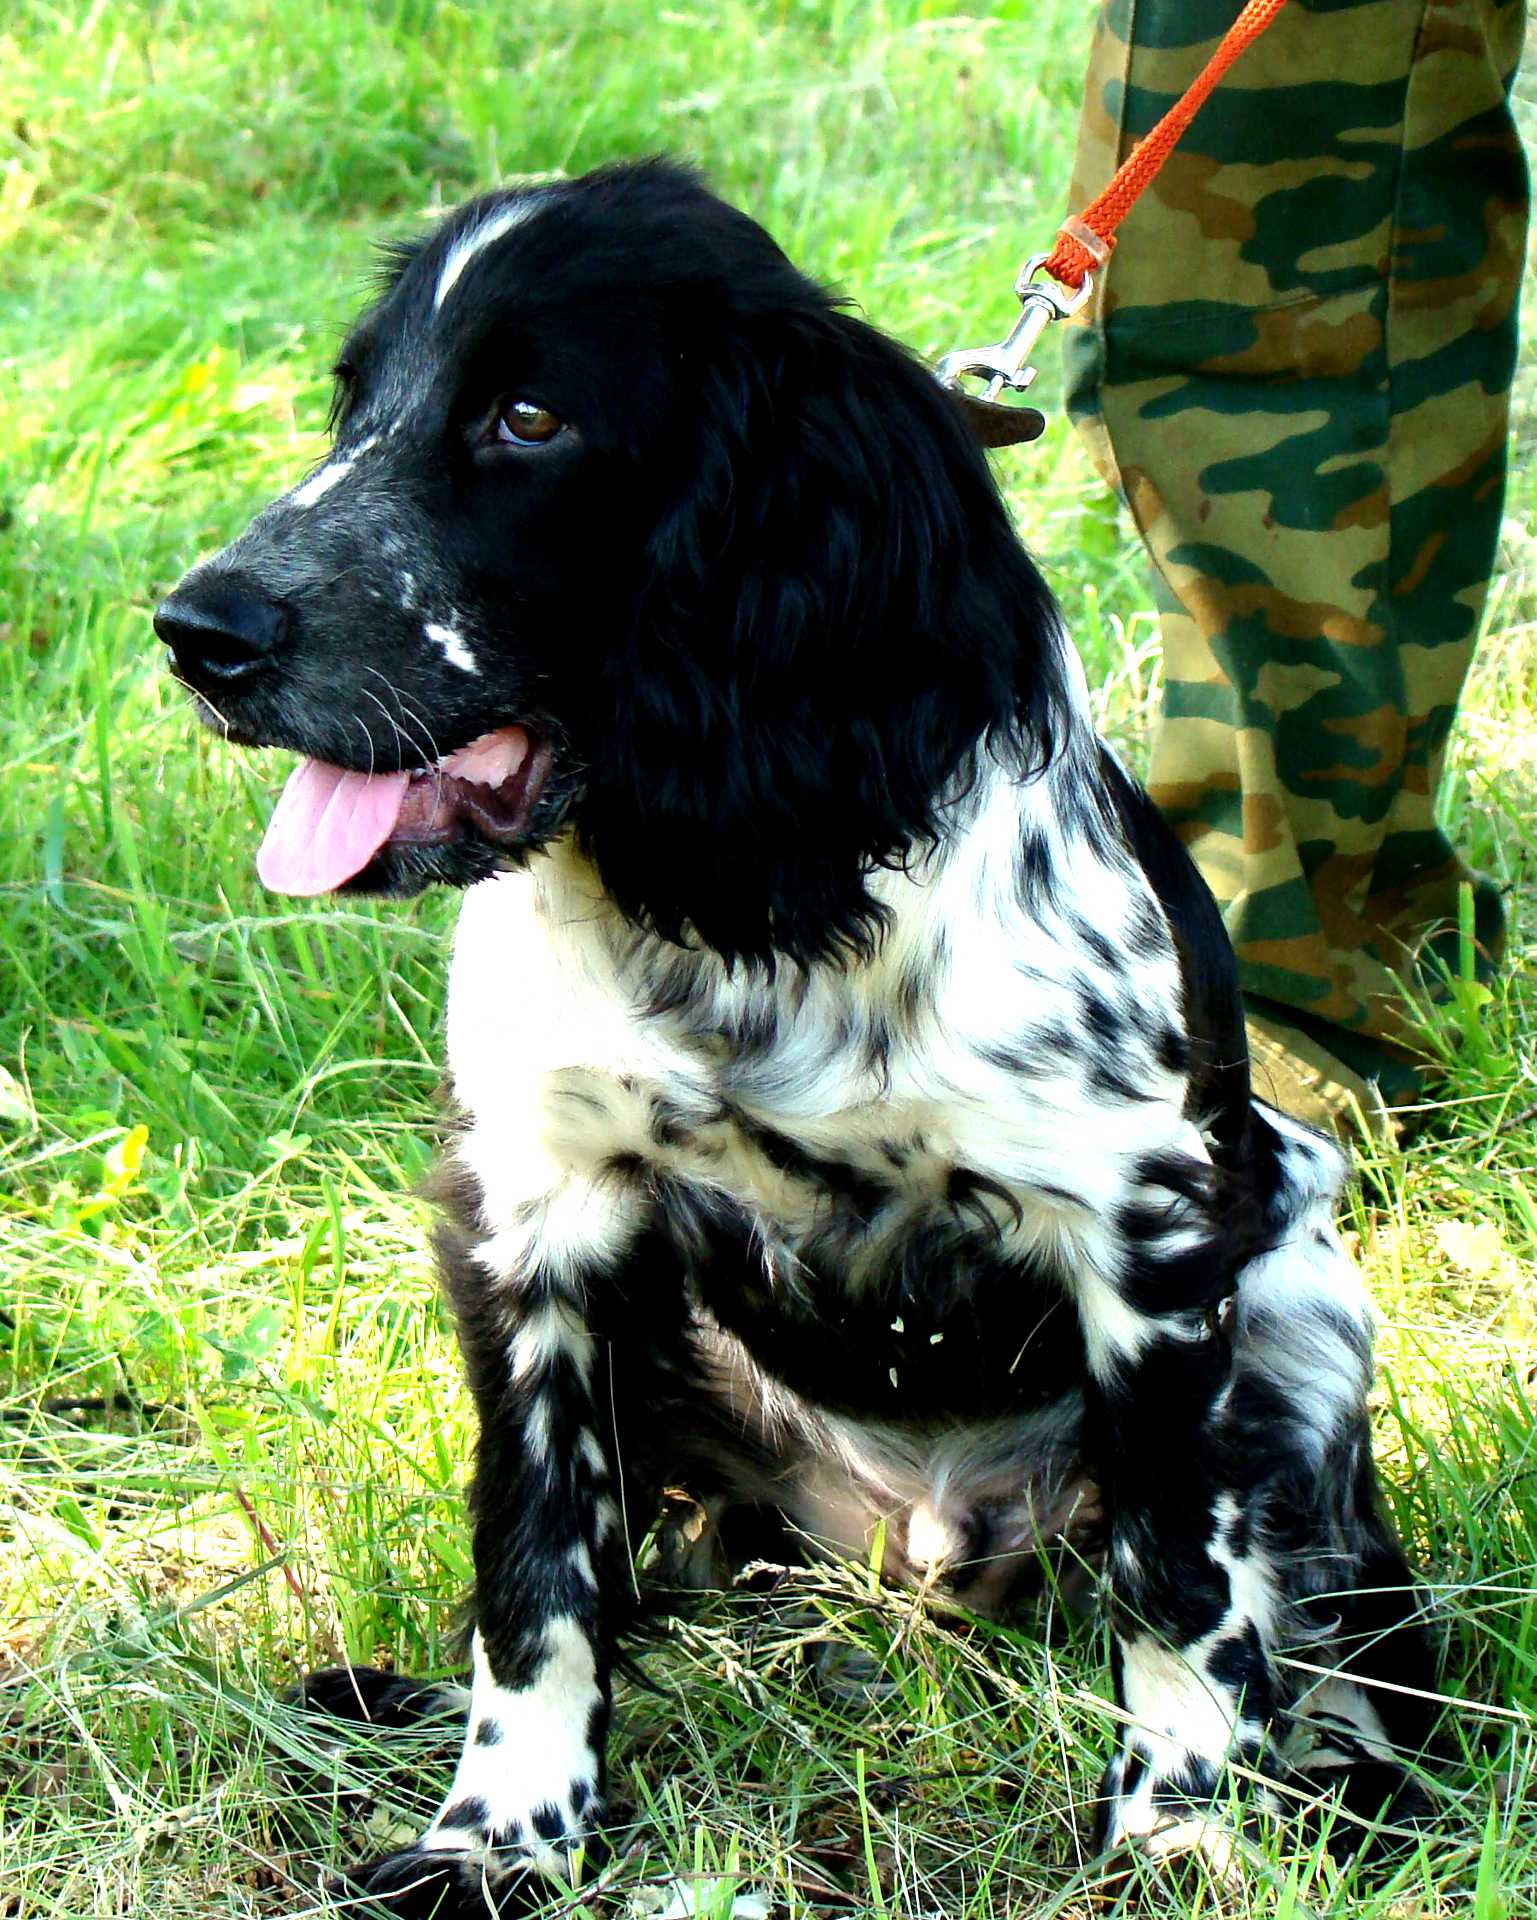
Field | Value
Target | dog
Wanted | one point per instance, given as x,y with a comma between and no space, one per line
852,1111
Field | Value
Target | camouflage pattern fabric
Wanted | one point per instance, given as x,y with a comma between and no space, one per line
1296,369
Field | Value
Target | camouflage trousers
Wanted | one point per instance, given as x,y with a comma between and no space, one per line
1297,372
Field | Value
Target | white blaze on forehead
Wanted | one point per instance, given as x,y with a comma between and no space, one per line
489,231
319,483
455,651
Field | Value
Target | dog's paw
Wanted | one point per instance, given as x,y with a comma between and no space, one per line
1368,1810
1172,1812
1353,1784
371,1698
423,1883
459,1867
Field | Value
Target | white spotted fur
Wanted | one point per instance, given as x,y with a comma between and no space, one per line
590,1062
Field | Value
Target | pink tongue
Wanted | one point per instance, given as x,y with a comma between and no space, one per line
328,825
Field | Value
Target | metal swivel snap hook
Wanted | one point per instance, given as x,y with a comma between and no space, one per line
1006,365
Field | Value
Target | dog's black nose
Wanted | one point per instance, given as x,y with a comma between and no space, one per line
220,631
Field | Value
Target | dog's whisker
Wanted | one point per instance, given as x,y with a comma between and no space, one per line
427,745
394,724
203,698
362,726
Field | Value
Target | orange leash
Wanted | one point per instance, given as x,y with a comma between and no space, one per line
1084,243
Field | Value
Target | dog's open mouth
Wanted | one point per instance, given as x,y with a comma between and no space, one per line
330,822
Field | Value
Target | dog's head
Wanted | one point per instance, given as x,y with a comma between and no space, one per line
627,530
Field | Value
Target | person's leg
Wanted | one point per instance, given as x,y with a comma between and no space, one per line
1297,371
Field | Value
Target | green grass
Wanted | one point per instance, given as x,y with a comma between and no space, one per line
231,1425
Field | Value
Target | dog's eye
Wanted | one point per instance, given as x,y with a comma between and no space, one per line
524,423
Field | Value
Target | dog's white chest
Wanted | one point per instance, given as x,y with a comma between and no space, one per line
814,1121
956,1079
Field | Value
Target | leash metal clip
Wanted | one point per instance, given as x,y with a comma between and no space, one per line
1006,364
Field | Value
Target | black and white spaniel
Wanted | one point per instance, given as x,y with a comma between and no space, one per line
853,1120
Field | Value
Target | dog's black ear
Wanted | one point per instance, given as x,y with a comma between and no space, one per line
838,611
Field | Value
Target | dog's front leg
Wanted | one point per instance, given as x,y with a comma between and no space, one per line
1192,1595
551,1570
